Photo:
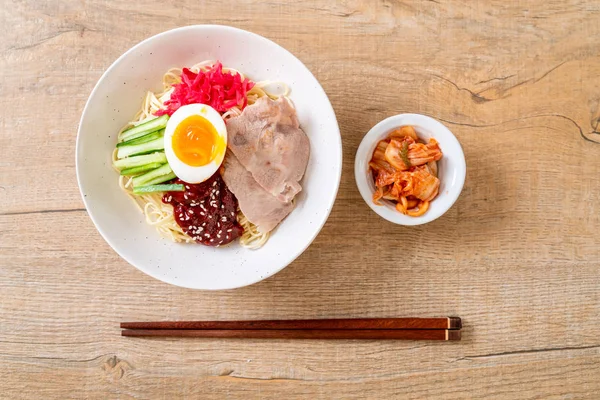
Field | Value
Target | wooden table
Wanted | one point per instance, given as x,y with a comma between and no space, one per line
517,257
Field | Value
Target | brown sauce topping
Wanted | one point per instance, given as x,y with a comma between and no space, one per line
207,211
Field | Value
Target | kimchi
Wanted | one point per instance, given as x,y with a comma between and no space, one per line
405,170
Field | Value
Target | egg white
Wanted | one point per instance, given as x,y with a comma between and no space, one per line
184,171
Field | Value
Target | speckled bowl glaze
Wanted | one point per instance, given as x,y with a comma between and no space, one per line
116,98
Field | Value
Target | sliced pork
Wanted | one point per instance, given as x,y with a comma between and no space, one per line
259,206
267,140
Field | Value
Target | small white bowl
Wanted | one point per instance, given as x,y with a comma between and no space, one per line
451,168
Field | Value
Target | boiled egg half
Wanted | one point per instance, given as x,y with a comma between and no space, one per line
195,142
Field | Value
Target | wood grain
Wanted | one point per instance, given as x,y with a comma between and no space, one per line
517,257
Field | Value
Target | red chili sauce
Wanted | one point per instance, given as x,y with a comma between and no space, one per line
206,211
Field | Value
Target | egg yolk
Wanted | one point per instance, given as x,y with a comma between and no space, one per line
196,141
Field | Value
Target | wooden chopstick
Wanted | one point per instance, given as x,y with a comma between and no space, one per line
362,334
308,324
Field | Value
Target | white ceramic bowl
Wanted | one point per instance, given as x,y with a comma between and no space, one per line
451,168
117,97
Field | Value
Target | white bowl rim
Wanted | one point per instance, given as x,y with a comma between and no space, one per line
106,237
378,132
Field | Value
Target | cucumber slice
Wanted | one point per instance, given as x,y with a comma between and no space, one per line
137,161
143,180
138,170
161,179
142,148
143,139
174,187
145,128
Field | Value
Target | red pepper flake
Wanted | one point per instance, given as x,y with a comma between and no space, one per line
218,89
